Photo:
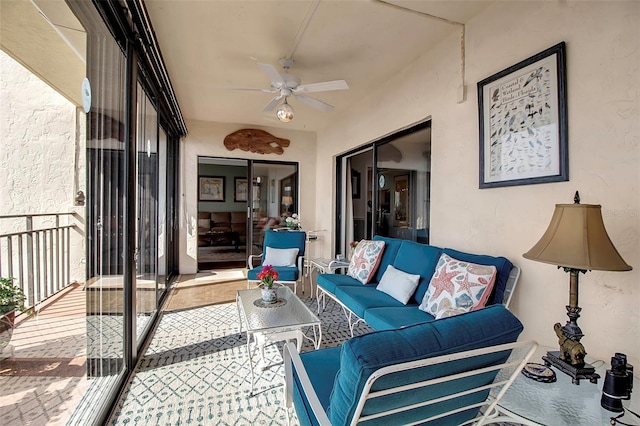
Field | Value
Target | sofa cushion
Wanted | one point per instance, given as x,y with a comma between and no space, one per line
280,257
204,225
365,260
360,298
221,219
391,247
457,287
398,284
330,282
406,260
502,264
391,318
238,218
362,355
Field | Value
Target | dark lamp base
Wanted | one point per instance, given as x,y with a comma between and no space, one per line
586,371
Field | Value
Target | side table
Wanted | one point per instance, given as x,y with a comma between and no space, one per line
562,403
324,266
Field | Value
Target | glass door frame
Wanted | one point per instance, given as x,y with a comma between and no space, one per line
340,244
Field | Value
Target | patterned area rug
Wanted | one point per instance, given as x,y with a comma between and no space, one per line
196,371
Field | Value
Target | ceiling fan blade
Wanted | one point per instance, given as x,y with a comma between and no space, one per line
322,106
272,104
250,89
323,87
273,74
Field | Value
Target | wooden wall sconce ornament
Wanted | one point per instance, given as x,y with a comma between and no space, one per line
255,140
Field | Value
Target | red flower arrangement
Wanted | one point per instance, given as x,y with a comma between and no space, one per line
353,244
267,276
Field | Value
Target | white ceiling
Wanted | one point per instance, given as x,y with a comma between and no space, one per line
210,46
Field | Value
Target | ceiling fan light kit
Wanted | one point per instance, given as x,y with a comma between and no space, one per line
285,112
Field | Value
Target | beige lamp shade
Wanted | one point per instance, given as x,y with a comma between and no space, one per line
576,238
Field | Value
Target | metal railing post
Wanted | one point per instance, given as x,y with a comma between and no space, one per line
29,261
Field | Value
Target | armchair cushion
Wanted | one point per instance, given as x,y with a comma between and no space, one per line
285,273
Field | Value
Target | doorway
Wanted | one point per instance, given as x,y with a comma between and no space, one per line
233,215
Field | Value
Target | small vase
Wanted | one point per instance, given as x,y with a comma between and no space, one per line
269,295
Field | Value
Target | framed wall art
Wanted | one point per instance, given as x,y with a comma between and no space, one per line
211,188
523,122
240,189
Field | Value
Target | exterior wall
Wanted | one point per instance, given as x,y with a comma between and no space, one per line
41,156
603,73
206,139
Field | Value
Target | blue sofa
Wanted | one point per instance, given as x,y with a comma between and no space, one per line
412,374
381,311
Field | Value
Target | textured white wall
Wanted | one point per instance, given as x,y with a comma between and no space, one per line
206,139
603,73
42,155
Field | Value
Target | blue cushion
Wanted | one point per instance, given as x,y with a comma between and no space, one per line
391,246
330,282
359,299
322,368
364,354
391,318
285,273
286,239
502,264
421,259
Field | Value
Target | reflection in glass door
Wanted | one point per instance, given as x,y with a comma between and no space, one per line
403,194
146,213
388,196
274,198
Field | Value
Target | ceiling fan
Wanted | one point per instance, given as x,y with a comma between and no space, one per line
285,85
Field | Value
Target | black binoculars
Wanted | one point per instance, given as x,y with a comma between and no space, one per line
618,384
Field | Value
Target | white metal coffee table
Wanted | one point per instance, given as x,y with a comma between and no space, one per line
283,320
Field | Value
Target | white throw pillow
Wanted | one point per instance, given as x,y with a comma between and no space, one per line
280,257
398,284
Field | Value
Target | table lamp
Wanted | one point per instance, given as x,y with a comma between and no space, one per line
577,242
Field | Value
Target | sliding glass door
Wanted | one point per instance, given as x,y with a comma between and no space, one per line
384,189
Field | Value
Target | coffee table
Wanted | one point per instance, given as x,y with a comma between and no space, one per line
283,320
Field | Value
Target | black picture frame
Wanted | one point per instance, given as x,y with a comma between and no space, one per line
211,188
523,122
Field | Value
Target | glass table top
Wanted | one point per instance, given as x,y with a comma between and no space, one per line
562,402
292,312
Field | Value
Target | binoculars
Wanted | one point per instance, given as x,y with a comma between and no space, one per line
618,383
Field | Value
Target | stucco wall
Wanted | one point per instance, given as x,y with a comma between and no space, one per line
206,139
603,73
41,156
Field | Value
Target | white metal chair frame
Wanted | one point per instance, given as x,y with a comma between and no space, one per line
353,319
488,411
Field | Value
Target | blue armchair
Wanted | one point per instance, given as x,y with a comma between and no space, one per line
283,259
